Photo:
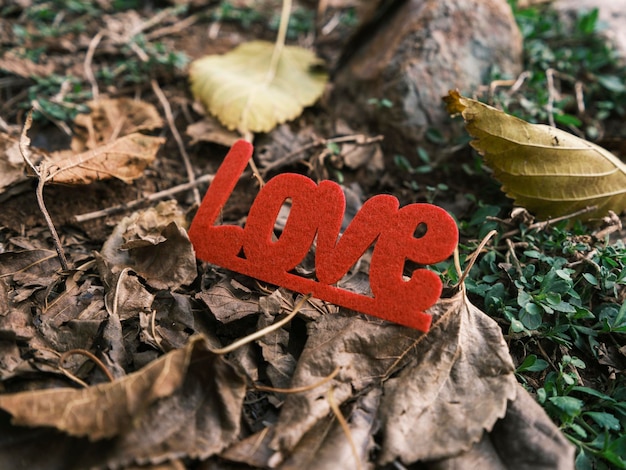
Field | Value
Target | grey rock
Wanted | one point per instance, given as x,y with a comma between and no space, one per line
420,51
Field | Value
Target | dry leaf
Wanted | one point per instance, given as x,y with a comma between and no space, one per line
124,159
242,90
441,390
185,404
456,386
210,130
21,66
154,245
111,118
227,302
12,164
546,170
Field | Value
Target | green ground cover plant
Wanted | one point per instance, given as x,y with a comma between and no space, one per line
558,290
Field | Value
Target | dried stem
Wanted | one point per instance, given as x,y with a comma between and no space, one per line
302,389
280,40
259,334
42,173
93,44
43,168
474,256
150,198
344,426
84,352
179,141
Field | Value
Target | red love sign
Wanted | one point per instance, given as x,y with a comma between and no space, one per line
317,212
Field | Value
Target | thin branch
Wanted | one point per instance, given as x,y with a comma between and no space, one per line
93,44
304,388
90,355
175,28
546,223
150,198
358,139
179,141
267,330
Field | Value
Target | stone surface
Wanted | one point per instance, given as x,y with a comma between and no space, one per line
418,52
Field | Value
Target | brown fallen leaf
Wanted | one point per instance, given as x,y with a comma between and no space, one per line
111,118
546,170
441,390
154,245
12,165
185,404
124,159
210,130
455,386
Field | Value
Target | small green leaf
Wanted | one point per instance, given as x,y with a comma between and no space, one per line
606,420
591,279
570,405
612,83
532,364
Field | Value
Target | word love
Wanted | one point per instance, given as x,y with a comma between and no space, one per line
316,213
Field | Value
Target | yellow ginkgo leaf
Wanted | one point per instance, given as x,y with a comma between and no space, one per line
248,90
544,169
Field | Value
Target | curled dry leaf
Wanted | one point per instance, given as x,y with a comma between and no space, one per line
246,91
187,403
12,164
210,130
154,245
455,387
545,169
124,159
442,390
111,118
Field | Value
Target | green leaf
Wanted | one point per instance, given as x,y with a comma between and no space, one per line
570,405
532,364
544,169
612,83
249,91
606,420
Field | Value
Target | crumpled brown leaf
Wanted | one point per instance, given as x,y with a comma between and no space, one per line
154,244
124,159
12,165
448,399
111,118
455,386
450,384
187,403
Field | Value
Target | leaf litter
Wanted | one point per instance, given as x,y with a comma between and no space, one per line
154,321
172,397
394,385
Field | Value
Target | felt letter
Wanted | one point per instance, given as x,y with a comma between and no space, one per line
317,211
218,244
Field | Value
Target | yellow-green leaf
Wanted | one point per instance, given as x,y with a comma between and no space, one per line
248,91
546,170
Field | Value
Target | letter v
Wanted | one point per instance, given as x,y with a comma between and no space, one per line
333,258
